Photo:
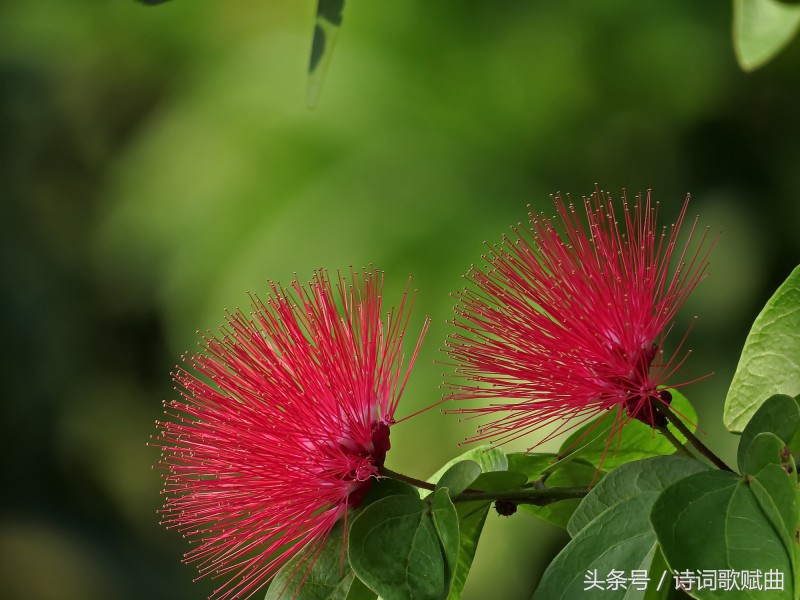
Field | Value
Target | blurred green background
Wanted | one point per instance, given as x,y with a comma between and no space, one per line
158,163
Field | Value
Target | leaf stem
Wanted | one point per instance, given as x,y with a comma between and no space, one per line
664,429
691,437
539,497
413,481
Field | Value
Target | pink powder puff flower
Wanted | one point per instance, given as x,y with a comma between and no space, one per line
284,424
572,323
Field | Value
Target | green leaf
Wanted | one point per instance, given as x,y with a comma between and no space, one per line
779,414
471,518
769,363
472,515
712,520
445,518
575,473
776,493
766,448
499,481
619,537
634,478
360,591
599,443
459,477
489,459
532,464
657,569
326,30
394,548
385,487
326,578
761,29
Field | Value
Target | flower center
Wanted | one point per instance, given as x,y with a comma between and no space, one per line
365,463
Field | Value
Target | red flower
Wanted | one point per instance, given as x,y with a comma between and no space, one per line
284,424
572,323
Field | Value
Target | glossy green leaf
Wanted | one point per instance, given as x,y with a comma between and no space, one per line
631,479
489,459
499,481
779,414
471,518
394,548
326,30
575,473
766,448
770,360
776,493
324,577
712,521
532,464
472,515
459,477
658,589
620,539
359,591
761,29
445,519
599,443
385,487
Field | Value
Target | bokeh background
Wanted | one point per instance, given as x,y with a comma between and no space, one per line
158,163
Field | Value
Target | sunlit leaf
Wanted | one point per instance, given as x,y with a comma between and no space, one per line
597,442
761,29
770,361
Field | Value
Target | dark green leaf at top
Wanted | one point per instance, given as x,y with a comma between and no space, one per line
152,2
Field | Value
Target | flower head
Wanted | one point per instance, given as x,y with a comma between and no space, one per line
571,323
283,425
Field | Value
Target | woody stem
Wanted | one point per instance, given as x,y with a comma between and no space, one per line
691,437
400,477
539,497
664,429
